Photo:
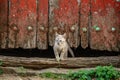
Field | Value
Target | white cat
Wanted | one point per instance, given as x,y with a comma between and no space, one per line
61,47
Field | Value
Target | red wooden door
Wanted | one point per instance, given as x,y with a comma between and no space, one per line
105,28
22,21
94,23
3,23
64,17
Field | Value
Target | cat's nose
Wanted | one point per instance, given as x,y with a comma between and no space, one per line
58,43
60,40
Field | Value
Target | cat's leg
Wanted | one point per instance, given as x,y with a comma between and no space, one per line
63,55
56,55
66,55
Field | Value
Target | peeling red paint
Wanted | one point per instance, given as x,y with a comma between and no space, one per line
109,23
22,15
42,24
65,12
65,19
84,22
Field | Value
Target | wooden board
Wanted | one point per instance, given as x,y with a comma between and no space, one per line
22,21
105,30
42,27
3,23
81,62
84,23
64,17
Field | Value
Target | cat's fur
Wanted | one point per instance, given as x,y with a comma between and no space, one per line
61,47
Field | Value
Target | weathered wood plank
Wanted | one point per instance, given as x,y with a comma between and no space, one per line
42,30
105,30
3,23
32,72
64,17
22,21
84,22
83,62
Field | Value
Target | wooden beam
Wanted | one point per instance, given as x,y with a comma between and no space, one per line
81,62
84,22
3,23
22,24
42,24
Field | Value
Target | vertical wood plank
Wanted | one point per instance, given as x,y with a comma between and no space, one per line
22,21
84,22
42,29
105,30
3,23
64,17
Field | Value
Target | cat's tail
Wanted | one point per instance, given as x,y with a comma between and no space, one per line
71,52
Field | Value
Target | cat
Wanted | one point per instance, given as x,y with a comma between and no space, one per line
61,47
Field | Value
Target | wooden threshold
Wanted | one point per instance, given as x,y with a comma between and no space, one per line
79,62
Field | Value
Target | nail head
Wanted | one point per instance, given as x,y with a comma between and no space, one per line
30,28
113,29
42,28
84,29
15,28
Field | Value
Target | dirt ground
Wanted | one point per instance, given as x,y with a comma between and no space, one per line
13,73
16,77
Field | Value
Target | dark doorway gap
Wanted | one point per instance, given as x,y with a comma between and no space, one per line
79,52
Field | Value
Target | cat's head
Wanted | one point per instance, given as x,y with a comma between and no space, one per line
60,39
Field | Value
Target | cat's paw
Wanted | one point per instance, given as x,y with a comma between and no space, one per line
62,59
58,59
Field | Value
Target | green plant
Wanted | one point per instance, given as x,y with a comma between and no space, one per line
21,70
52,75
99,73
106,73
1,63
1,71
81,75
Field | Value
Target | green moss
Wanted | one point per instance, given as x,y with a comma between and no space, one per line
1,71
21,71
52,75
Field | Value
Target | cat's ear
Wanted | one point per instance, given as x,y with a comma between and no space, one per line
56,34
64,35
